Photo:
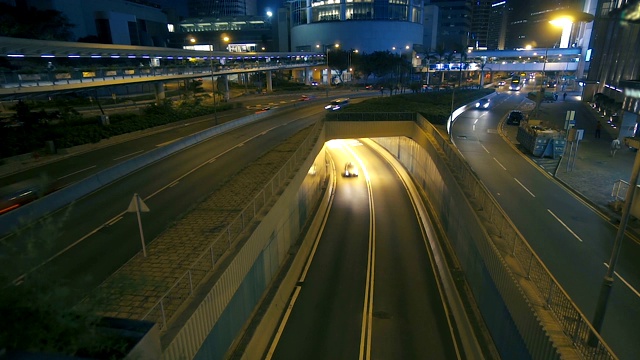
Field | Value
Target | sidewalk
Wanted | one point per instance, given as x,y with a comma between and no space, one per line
594,171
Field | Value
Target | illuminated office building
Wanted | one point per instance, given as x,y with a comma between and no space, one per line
368,25
221,8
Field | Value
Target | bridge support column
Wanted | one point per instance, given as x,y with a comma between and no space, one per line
225,87
159,89
269,83
307,76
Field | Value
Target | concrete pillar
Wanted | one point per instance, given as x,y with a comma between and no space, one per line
307,76
159,89
225,82
269,83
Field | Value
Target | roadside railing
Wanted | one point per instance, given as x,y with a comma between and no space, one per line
180,292
619,190
18,79
510,242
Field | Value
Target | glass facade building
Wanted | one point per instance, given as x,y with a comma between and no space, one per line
367,25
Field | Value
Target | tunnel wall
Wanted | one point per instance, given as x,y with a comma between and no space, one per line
217,320
515,327
465,234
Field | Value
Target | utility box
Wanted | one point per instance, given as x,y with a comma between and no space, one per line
539,140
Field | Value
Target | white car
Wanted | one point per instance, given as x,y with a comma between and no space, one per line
350,170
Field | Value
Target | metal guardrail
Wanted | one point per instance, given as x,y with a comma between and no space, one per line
619,191
15,79
180,292
573,322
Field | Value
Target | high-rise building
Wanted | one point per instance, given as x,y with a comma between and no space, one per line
497,29
393,25
454,24
614,66
125,22
529,22
480,24
221,8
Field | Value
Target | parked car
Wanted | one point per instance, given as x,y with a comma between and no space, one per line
515,117
350,170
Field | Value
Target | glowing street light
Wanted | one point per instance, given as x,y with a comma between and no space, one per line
328,47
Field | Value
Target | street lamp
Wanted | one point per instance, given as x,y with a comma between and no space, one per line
328,47
540,97
349,65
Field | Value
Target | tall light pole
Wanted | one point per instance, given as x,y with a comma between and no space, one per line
349,65
544,77
328,47
453,92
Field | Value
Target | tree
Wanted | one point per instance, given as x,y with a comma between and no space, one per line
32,23
339,61
439,55
382,62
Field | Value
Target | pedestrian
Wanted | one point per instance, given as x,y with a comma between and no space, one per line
598,128
555,96
615,146
564,97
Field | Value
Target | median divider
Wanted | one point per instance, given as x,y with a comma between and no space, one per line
28,213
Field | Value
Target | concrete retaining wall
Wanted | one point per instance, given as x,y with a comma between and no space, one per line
218,319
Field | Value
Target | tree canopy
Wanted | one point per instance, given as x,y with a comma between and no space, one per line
32,23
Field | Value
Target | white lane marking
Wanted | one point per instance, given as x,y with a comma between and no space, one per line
565,225
174,183
367,310
502,166
287,313
625,282
128,155
76,172
524,187
485,149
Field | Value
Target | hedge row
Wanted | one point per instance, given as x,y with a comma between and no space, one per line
434,106
72,129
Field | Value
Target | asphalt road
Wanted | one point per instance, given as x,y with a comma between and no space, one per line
573,239
369,291
87,241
